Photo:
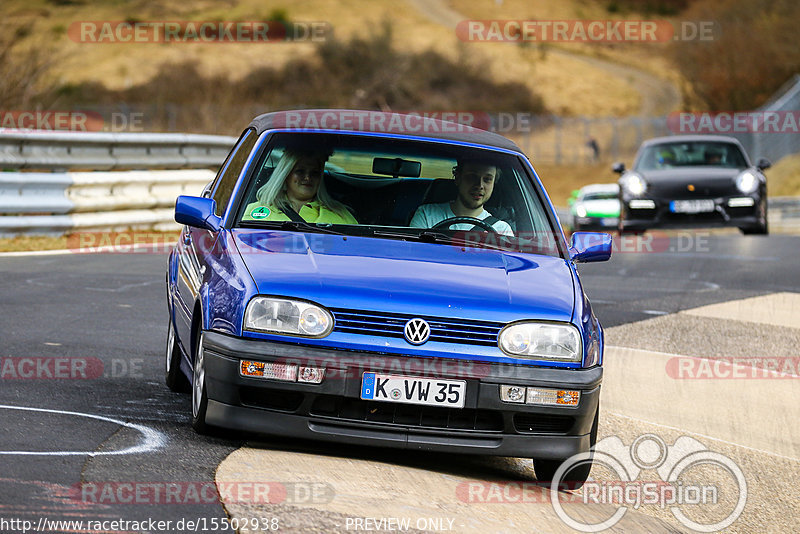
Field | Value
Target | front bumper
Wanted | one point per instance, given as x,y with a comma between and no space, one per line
333,410
723,215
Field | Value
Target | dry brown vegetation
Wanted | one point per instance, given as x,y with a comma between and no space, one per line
24,68
754,52
362,73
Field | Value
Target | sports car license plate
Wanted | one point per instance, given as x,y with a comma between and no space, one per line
691,206
413,390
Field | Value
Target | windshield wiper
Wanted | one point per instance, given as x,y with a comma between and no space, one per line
296,226
428,236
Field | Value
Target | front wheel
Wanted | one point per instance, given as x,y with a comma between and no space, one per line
199,395
762,228
575,477
174,378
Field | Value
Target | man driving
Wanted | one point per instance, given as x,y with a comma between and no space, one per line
475,182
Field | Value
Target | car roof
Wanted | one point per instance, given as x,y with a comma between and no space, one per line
415,125
599,188
691,139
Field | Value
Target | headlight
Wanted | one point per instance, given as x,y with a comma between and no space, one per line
747,182
269,314
633,184
580,211
542,341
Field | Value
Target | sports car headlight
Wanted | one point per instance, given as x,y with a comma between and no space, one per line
747,182
298,318
633,184
542,341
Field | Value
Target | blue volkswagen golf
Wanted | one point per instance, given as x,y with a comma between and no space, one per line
385,279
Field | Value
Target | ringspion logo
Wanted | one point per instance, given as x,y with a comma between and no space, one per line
690,476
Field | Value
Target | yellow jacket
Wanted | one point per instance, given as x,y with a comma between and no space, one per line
313,212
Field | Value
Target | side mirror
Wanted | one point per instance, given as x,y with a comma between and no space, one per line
587,247
763,164
618,167
197,212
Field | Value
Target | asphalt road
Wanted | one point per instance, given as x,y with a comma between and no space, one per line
91,329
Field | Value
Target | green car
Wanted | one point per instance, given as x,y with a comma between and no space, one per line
595,206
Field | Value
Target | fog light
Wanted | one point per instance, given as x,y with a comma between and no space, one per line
642,204
275,371
743,202
512,394
312,375
553,397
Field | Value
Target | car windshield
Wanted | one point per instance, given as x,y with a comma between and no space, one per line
694,154
397,189
600,196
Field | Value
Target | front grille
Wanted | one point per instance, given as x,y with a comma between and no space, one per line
285,401
406,415
542,424
704,188
712,217
447,330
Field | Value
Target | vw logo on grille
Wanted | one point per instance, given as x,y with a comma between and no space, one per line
417,331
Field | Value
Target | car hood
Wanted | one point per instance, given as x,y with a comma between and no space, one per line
711,175
408,277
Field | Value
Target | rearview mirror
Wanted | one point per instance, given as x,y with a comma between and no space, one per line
197,212
396,167
618,167
763,164
587,247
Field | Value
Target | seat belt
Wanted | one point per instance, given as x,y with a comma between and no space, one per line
293,215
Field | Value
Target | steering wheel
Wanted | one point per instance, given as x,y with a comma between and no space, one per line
447,223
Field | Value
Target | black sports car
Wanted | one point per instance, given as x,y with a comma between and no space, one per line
693,181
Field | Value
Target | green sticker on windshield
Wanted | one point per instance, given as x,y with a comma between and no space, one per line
260,213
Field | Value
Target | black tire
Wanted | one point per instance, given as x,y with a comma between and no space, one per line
762,228
621,230
574,478
199,395
174,378
758,230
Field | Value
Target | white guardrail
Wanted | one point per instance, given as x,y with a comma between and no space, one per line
131,179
